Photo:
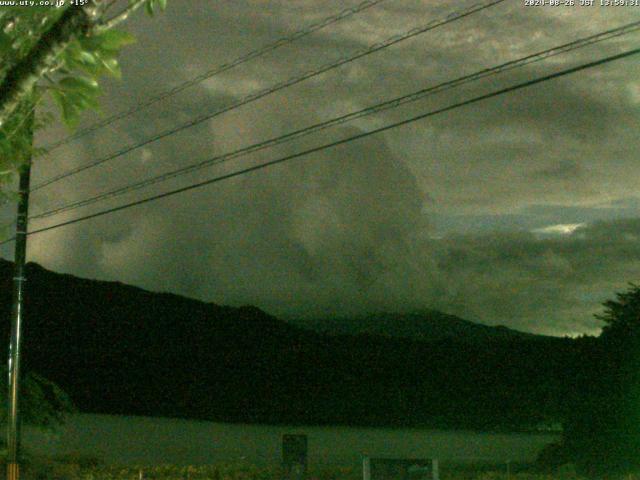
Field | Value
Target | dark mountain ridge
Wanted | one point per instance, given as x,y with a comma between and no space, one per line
122,350
426,325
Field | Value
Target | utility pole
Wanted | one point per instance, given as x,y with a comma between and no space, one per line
13,420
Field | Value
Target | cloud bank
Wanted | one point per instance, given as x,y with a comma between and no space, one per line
466,212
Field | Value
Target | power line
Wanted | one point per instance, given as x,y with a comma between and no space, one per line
340,142
396,102
279,86
218,70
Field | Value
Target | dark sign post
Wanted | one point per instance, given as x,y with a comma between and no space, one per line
294,456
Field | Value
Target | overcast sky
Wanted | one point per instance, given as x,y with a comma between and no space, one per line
523,210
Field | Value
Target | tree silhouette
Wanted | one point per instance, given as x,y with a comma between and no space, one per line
622,316
602,433
44,404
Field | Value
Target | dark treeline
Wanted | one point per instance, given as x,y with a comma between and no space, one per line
602,427
121,350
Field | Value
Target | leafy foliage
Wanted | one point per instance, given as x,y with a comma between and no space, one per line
622,315
602,431
73,82
20,29
43,402
154,5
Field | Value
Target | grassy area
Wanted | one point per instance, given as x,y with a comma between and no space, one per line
83,470
88,469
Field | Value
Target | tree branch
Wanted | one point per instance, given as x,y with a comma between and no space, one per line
119,18
22,77
107,6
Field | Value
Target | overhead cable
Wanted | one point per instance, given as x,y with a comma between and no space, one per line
275,88
217,70
326,146
380,107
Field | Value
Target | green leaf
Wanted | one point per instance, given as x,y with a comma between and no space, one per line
150,7
83,85
112,66
87,58
75,95
162,4
82,102
70,114
72,55
5,152
5,43
112,40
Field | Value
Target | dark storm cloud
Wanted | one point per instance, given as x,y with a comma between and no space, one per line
463,212
316,234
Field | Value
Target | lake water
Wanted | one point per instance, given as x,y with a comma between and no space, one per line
149,441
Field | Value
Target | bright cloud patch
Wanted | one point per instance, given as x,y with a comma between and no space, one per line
559,229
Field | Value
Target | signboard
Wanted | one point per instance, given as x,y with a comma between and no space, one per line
294,453
399,469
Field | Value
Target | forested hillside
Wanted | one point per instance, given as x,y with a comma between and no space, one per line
119,349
